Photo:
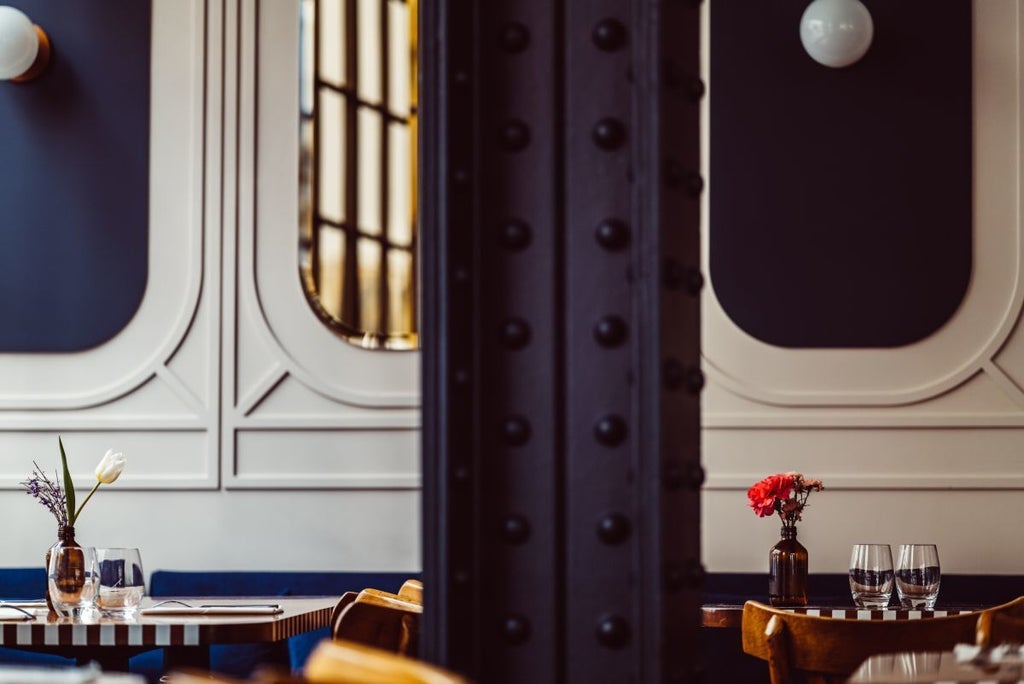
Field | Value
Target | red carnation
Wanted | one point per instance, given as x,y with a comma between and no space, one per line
764,494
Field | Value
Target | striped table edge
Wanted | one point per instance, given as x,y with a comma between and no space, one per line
68,634
730,615
886,614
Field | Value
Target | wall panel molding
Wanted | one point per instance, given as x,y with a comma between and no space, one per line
149,390
166,396
990,310
914,442
60,381
285,374
269,267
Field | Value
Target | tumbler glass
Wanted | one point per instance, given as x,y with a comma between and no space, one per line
917,576
871,575
72,577
122,584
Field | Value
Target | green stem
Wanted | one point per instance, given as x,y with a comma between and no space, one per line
94,488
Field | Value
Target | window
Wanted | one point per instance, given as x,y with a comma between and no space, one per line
358,168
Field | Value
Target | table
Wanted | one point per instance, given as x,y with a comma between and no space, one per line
921,668
186,639
730,615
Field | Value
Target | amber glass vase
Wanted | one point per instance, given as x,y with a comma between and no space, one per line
787,571
69,574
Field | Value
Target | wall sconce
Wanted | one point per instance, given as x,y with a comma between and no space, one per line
24,47
836,33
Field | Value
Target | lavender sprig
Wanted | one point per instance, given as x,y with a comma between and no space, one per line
48,493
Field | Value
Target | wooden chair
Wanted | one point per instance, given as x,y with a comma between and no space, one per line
339,607
805,648
412,591
378,619
1001,624
345,662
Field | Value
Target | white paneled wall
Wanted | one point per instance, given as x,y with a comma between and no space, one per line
256,439
922,443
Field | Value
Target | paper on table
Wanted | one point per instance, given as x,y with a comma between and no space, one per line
10,613
27,605
256,609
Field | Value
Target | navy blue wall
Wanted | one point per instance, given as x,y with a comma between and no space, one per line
74,177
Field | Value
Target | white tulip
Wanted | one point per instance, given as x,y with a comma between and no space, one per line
110,467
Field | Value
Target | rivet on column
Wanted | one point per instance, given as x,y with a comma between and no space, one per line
609,133
515,135
516,629
515,529
613,529
613,631
516,234
515,333
609,34
694,380
515,431
612,234
514,37
610,430
610,331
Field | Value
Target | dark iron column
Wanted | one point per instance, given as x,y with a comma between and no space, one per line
561,337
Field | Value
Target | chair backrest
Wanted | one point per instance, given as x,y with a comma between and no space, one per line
346,662
339,607
1002,624
378,619
412,590
810,648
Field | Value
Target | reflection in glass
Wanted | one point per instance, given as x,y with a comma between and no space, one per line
358,168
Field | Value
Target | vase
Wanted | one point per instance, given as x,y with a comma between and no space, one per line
66,575
787,571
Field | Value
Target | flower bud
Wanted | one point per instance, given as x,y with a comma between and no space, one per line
110,467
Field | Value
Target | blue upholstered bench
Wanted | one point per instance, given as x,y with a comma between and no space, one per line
26,584
237,661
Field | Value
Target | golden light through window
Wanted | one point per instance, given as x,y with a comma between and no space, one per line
357,218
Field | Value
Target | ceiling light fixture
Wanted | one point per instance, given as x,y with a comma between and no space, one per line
24,47
836,33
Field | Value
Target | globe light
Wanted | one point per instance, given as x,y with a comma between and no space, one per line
836,33
24,47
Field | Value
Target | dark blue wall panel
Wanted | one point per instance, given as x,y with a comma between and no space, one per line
74,179
841,199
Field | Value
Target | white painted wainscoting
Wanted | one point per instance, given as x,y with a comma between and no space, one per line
921,443
256,439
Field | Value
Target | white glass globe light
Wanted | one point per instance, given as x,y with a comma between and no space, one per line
19,43
836,33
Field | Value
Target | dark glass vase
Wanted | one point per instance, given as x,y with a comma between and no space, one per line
69,573
787,571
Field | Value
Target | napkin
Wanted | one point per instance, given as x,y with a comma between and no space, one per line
1003,653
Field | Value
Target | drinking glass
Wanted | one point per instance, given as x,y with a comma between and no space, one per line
917,576
73,577
871,575
122,584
